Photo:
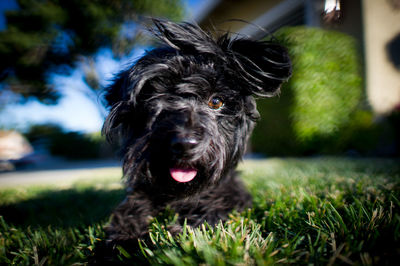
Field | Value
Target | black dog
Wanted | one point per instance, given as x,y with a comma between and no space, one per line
184,113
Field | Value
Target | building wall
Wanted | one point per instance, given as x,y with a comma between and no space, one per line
381,25
236,9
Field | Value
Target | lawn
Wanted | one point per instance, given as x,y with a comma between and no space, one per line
305,211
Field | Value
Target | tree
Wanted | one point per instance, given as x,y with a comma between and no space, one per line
45,37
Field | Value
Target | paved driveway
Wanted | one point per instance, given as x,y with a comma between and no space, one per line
60,173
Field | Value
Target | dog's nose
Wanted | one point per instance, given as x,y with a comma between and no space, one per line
180,145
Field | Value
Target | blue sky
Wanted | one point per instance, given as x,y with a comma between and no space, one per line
74,111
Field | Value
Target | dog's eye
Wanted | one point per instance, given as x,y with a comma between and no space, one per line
215,103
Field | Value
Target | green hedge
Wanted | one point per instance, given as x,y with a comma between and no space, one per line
320,108
69,144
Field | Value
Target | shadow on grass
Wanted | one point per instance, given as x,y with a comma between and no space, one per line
64,208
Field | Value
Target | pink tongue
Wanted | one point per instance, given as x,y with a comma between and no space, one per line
182,175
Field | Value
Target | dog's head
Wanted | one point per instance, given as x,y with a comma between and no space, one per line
185,111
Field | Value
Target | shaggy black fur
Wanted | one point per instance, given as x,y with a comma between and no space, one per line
188,107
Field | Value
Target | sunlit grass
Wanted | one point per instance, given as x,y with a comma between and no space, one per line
319,211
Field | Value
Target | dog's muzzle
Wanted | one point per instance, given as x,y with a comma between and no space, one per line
180,147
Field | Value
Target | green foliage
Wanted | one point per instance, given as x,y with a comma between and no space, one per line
71,145
43,37
320,102
326,80
309,211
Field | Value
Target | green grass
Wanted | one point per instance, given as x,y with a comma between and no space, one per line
305,211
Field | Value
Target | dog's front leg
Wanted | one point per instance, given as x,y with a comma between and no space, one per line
131,218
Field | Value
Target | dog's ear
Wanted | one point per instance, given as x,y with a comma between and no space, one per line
263,65
118,101
117,90
119,113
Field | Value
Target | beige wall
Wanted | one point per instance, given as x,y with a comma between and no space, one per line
381,24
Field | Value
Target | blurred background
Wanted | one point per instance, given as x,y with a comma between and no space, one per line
57,55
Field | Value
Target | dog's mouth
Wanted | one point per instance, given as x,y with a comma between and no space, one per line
183,175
